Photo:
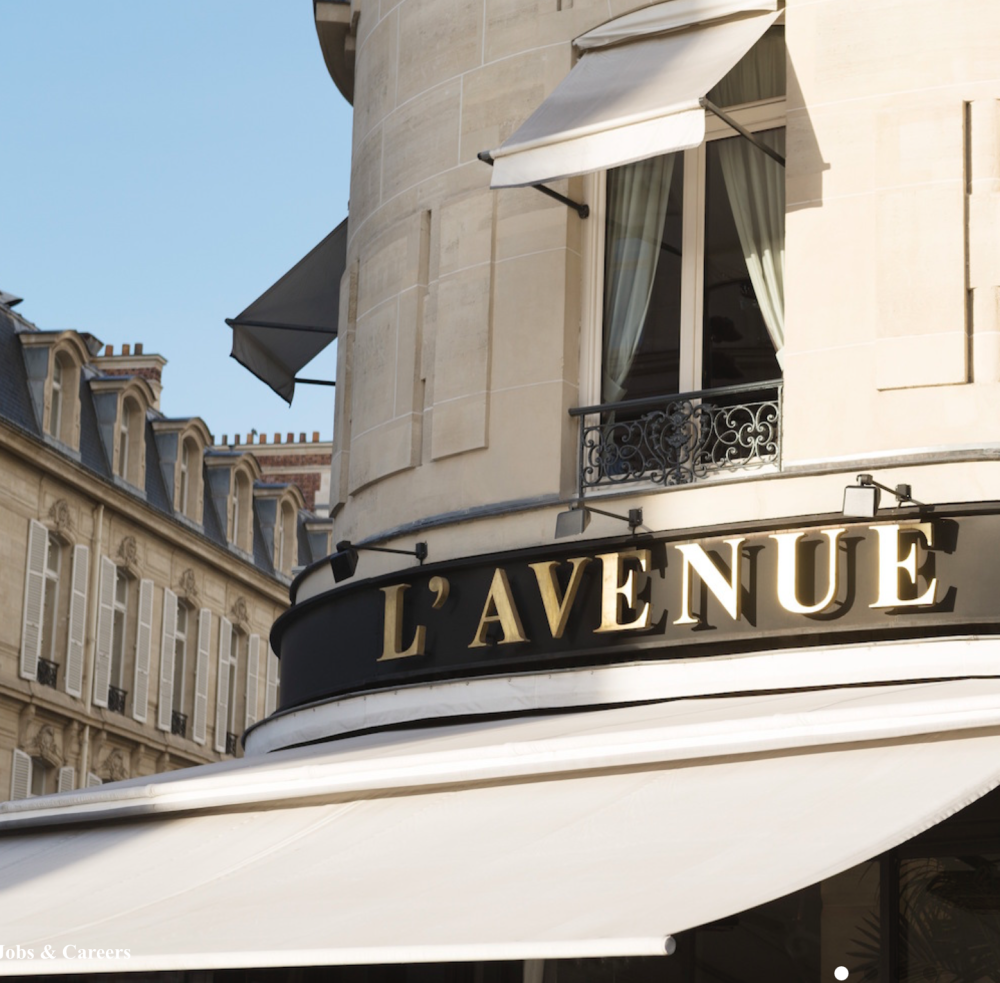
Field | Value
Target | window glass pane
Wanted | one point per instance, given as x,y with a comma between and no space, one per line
49,616
642,281
39,776
760,74
744,261
54,555
949,918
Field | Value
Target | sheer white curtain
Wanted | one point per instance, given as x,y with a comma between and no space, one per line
755,184
637,209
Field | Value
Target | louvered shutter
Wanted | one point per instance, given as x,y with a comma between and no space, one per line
34,599
201,676
143,647
105,631
73,679
271,692
167,651
93,780
20,776
253,669
222,690
67,779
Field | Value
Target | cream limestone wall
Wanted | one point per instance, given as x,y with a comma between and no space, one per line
892,240
39,484
461,307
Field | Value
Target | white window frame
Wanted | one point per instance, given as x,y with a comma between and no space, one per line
123,439
767,114
56,401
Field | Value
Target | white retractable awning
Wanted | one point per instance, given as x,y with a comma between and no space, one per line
633,94
582,834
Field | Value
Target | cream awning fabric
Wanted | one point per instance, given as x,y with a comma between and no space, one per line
627,101
582,834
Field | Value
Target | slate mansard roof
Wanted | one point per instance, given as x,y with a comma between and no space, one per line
16,410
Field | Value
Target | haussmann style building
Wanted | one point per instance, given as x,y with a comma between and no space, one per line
669,367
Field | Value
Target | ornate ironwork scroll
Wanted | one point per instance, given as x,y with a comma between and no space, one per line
680,439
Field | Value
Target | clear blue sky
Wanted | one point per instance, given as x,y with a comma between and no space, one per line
161,165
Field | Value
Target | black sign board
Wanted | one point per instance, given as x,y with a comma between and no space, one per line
657,596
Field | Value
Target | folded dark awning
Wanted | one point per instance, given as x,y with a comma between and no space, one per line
289,324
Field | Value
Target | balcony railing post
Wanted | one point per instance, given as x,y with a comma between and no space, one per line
116,699
682,438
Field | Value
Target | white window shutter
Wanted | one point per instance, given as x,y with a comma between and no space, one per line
20,776
67,779
166,705
93,780
222,687
200,723
253,669
105,629
143,646
34,599
73,678
271,692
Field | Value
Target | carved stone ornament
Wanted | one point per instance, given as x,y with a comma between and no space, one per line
128,552
62,518
43,745
240,613
188,585
115,766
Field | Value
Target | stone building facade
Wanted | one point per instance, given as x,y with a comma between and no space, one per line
142,568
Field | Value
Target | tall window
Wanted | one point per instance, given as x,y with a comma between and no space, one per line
694,250
123,439
119,629
180,657
50,610
56,409
237,658
41,777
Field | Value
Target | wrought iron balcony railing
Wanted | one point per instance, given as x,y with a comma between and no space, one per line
679,439
48,672
178,723
116,699
232,742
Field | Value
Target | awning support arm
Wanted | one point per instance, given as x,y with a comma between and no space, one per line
582,210
742,131
313,382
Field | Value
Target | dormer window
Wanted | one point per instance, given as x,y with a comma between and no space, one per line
53,362
121,403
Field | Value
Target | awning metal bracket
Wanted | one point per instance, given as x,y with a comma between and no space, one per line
313,382
582,210
742,131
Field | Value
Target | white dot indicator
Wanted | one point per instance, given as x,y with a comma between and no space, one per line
841,973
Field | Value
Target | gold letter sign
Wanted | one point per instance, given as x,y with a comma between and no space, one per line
499,607
557,608
392,635
613,590
889,565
